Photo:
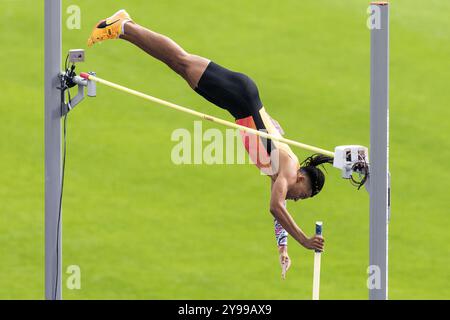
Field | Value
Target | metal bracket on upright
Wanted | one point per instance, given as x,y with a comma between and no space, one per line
82,83
69,79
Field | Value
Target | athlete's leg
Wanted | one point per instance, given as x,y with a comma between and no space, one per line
232,91
229,90
189,66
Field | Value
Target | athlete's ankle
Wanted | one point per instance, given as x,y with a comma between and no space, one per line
126,26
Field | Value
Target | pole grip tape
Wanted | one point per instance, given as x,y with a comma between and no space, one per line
318,230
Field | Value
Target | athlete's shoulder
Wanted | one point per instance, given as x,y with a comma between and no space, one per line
288,166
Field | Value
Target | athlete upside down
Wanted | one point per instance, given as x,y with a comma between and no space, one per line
238,94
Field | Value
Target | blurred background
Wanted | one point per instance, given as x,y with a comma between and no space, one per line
141,227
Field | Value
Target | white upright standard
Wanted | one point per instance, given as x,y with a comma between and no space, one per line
379,181
53,223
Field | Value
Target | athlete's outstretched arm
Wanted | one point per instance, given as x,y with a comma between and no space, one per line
279,211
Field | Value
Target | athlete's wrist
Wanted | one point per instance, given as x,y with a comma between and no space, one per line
303,240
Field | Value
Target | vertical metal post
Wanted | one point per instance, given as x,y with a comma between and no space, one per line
53,40
379,149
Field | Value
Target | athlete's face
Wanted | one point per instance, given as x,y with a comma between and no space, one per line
300,190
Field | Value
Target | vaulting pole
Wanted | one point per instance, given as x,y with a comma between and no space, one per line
206,117
52,150
379,187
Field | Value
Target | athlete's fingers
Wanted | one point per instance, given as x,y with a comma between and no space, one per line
283,272
285,267
318,245
320,238
318,242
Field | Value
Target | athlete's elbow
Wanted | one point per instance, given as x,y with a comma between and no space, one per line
275,210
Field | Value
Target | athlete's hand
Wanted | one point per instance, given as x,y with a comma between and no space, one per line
285,261
314,243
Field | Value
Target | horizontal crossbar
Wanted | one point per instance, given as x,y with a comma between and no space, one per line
206,116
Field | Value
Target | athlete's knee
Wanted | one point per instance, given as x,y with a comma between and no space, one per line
193,67
188,65
180,64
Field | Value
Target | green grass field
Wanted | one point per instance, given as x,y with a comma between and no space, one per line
142,228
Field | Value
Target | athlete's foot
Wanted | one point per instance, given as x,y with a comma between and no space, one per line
109,28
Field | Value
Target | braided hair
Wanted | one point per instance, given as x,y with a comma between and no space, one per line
315,175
